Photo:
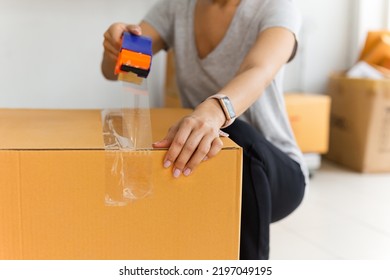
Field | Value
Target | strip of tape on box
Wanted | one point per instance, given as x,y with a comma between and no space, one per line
127,137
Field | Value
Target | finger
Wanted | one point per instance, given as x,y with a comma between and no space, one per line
167,141
110,49
194,147
216,147
111,44
203,149
111,56
164,143
134,29
179,140
114,34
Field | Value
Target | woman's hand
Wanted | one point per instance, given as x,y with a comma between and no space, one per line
194,139
112,37
112,46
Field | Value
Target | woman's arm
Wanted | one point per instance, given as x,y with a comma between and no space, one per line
271,51
112,44
196,137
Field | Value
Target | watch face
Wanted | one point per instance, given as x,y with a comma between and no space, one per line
229,107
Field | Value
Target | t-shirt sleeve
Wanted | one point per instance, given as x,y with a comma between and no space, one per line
161,18
282,13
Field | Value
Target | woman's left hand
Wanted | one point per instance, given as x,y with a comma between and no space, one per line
195,138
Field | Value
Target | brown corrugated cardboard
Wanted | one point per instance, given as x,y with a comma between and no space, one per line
380,53
52,178
360,123
309,116
373,39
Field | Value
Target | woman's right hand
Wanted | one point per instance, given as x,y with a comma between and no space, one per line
112,45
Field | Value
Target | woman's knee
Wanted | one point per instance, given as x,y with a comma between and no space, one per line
288,199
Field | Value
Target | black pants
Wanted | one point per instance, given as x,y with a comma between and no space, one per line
273,187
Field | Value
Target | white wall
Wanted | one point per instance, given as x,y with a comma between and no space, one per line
370,15
50,50
332,37
325,43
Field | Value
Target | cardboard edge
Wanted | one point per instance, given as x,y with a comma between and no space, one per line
239,183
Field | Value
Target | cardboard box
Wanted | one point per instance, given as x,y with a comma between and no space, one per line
375,40
360,123
309,116
52,189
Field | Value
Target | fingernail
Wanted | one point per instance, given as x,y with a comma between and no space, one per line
223,134
187,172
176,173
167,164
205,158
159,142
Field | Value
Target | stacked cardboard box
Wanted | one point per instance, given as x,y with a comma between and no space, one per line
309,115
360,114
377,49
360,123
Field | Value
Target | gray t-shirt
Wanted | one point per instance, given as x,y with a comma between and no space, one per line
199,78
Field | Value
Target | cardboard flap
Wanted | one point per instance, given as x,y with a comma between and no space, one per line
23,129
50,129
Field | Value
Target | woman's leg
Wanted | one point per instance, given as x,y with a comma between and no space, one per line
273,187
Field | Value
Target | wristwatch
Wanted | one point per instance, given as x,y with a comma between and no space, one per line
227,108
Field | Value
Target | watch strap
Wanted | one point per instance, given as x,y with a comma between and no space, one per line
226,107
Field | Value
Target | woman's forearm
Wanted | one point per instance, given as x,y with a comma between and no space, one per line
270,52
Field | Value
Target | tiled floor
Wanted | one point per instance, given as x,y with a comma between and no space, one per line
345,215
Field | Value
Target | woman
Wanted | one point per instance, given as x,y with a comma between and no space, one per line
229,60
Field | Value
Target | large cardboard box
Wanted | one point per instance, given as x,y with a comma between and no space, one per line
360,123
309,116
52,188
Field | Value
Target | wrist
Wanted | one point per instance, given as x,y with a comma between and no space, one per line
212,109
226,106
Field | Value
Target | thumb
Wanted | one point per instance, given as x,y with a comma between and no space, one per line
164,143
168,139
134,29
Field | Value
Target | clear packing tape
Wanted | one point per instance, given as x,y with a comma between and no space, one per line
127,136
